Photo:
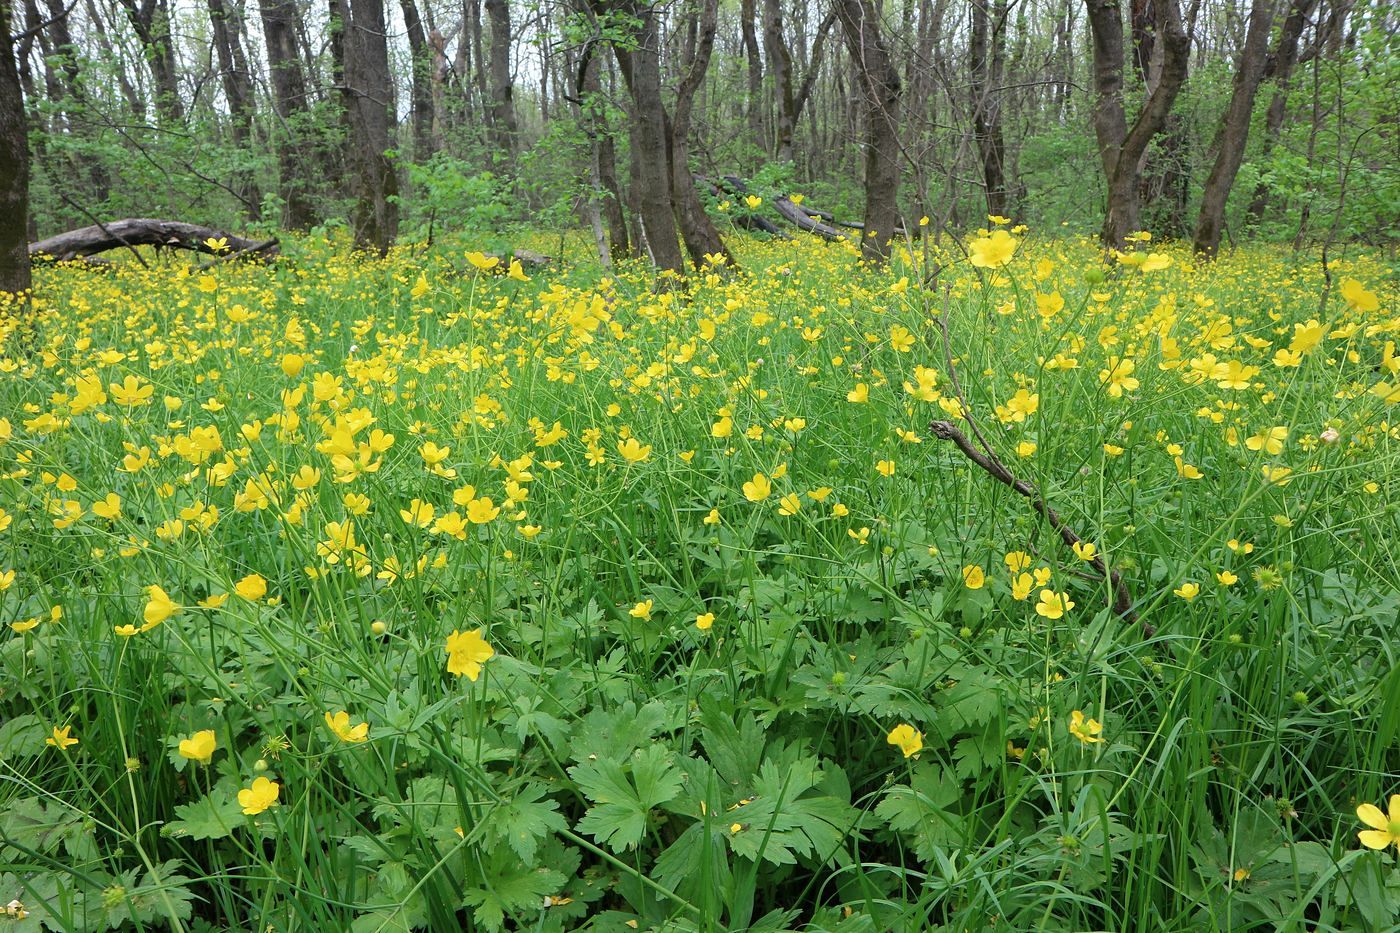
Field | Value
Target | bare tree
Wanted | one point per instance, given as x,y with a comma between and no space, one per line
503,122
780,69
421,95
753,101
237,81
369,103
151,20
1279,69
14,167
289,101
697,230
1234,129
878,90
1121,149
987,53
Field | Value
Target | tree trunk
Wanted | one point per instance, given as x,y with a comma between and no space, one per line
421,94
144,231
753,104
1279,69
878,91
986,106
701,238
151,21
238,91
641,71
1121,149
780,68
592,107
503,123
369,104
294,163
14,168
1234,129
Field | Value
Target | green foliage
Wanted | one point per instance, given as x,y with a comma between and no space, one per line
685,718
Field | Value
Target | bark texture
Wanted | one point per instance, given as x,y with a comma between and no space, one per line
1121,148
878,90
144,231
14,167
1234,129
289,101
369,102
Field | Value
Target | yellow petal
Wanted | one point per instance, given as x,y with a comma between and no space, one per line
1375,839
1395,808
1372,816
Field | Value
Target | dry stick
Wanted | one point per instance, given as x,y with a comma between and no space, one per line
236,255
1122,599
103,227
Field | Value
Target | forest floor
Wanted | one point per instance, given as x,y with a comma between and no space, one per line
406,594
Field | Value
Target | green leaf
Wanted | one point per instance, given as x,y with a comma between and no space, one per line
526,818
510,886
211,817
23,735
619,816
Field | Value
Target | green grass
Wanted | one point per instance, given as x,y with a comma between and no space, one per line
613,766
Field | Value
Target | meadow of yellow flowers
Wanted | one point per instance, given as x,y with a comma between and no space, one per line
1001,589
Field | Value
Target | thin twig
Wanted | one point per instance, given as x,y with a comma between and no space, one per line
1120,598
253,250
103,227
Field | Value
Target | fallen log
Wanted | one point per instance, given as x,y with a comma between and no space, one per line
803,218
141,231
747,221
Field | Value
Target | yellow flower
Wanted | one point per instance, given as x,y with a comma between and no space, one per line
642,610
466,652
292,364
992,252
1085,551
973,577
789,504
483,262
62,739
633,451
1053,605
159,607
482,511
1188,591
339,723
1085,730
251,587
199,747
860,394
1227,578
109,508
259,796
885,467
908,739
704,621
1269,440
1356,295
758,488
1385,828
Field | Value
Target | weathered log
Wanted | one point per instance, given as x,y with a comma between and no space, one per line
798,215
139,231
803,218
747,221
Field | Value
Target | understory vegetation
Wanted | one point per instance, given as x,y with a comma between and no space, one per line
438,592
